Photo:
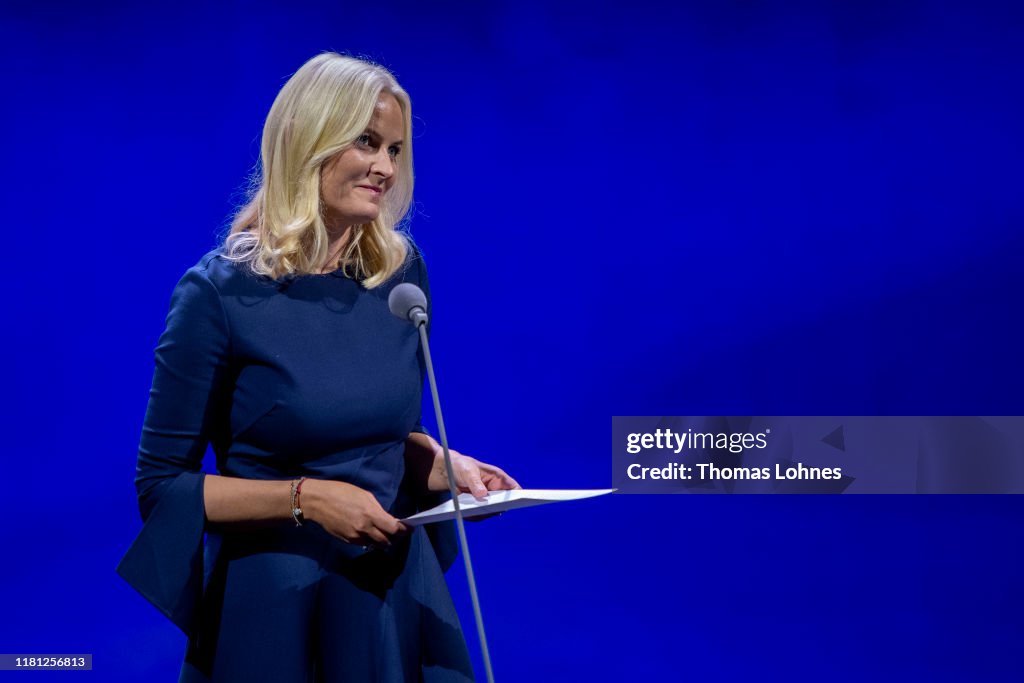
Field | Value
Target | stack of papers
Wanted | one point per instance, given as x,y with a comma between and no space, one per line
499,501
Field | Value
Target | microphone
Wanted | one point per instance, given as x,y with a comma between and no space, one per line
408,302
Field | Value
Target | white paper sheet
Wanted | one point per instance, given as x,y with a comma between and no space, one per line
499,501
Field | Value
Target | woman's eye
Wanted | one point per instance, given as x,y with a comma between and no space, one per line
363,140
393,152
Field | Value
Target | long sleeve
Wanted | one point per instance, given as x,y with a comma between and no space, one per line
165,563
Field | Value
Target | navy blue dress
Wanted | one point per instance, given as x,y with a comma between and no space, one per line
308,376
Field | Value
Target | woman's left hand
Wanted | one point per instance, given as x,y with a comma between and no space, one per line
471,475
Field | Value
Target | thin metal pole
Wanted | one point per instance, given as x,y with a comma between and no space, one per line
458,510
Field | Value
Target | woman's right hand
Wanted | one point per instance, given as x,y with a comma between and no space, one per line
348,512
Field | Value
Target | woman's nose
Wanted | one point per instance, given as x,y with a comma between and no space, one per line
383,165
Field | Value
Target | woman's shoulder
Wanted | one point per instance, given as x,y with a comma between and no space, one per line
227,274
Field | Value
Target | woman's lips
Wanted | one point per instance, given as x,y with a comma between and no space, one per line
375,190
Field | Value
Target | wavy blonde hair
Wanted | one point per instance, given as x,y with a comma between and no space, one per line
322,109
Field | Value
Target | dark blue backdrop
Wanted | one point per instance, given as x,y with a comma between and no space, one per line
712,208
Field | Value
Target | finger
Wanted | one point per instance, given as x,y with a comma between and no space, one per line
501,480
475,484
388,525
508,482
377,537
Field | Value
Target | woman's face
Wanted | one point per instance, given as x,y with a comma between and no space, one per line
353,182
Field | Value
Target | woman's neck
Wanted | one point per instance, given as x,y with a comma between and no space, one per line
337,240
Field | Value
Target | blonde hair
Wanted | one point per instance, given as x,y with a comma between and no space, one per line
322,109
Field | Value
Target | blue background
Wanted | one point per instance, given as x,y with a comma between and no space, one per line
636,208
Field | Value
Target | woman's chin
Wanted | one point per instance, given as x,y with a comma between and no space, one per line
363,217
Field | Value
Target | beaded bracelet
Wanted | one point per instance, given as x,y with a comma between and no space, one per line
296,504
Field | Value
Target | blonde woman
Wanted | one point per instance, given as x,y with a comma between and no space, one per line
280,351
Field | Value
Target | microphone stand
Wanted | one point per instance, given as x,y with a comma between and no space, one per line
422,327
